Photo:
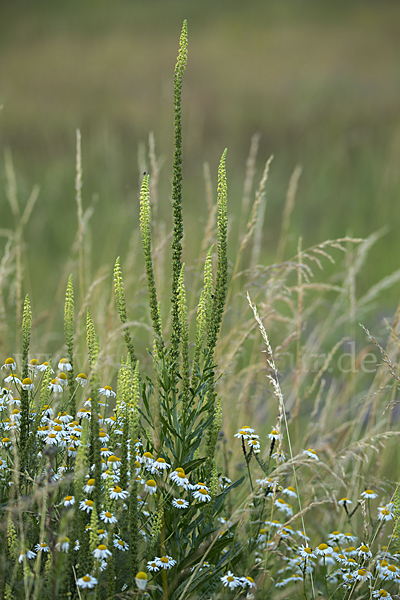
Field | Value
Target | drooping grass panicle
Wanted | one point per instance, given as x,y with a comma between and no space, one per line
177,190
145,230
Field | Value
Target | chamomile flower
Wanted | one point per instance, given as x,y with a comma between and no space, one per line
64,365
381,594
29,554
279,456
63,544
248,582
385,513
245,433
87,581
289,491
274,435
229,580
86,505
254,444
147,458
311,453
101,552
152,565
107,391
69,500
364,551
306,552
13,379
180,479
120,544
323,550
344,502
63,379
10,364
363,575
141,580
284,506
150,487
27,384
89,487
180,503
201,495
42,547
107,517
165,562
81,379
55,386
159,465
117,493
369,494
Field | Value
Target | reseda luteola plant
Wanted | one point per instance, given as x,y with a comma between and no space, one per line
101,503
120,493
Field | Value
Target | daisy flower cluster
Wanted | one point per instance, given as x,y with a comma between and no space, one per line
104,503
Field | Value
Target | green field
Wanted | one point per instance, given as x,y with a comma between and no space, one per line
319,81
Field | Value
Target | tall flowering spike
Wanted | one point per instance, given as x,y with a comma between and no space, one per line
396,523
214,430
182,311
26,335
222,268
69,338
204,309
121,307
92,343
177,189
24,423
145,230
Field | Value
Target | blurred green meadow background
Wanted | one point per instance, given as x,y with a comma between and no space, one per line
319,81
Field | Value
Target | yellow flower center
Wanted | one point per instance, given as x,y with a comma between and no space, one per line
102,547
323,546
89,502
86,578
68,498
117,489
108,515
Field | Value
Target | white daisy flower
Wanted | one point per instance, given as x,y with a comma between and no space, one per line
289,491
306,552
101,552
150,486
69,500
248,582
63,545
229,580
344,502
29,554
180,503
107,517
244,432
385,513
381,594
13,379
254,445
44,367
86,505
284,506
117,493
87,581
42,547
159,465
311,453
55,386
323,550
364,551
369,494
81,379
279,456
363,575
10,364
165,562
107,391
202,495
63,379
89,487
141,580
27,384
64,365
152,565
120,544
